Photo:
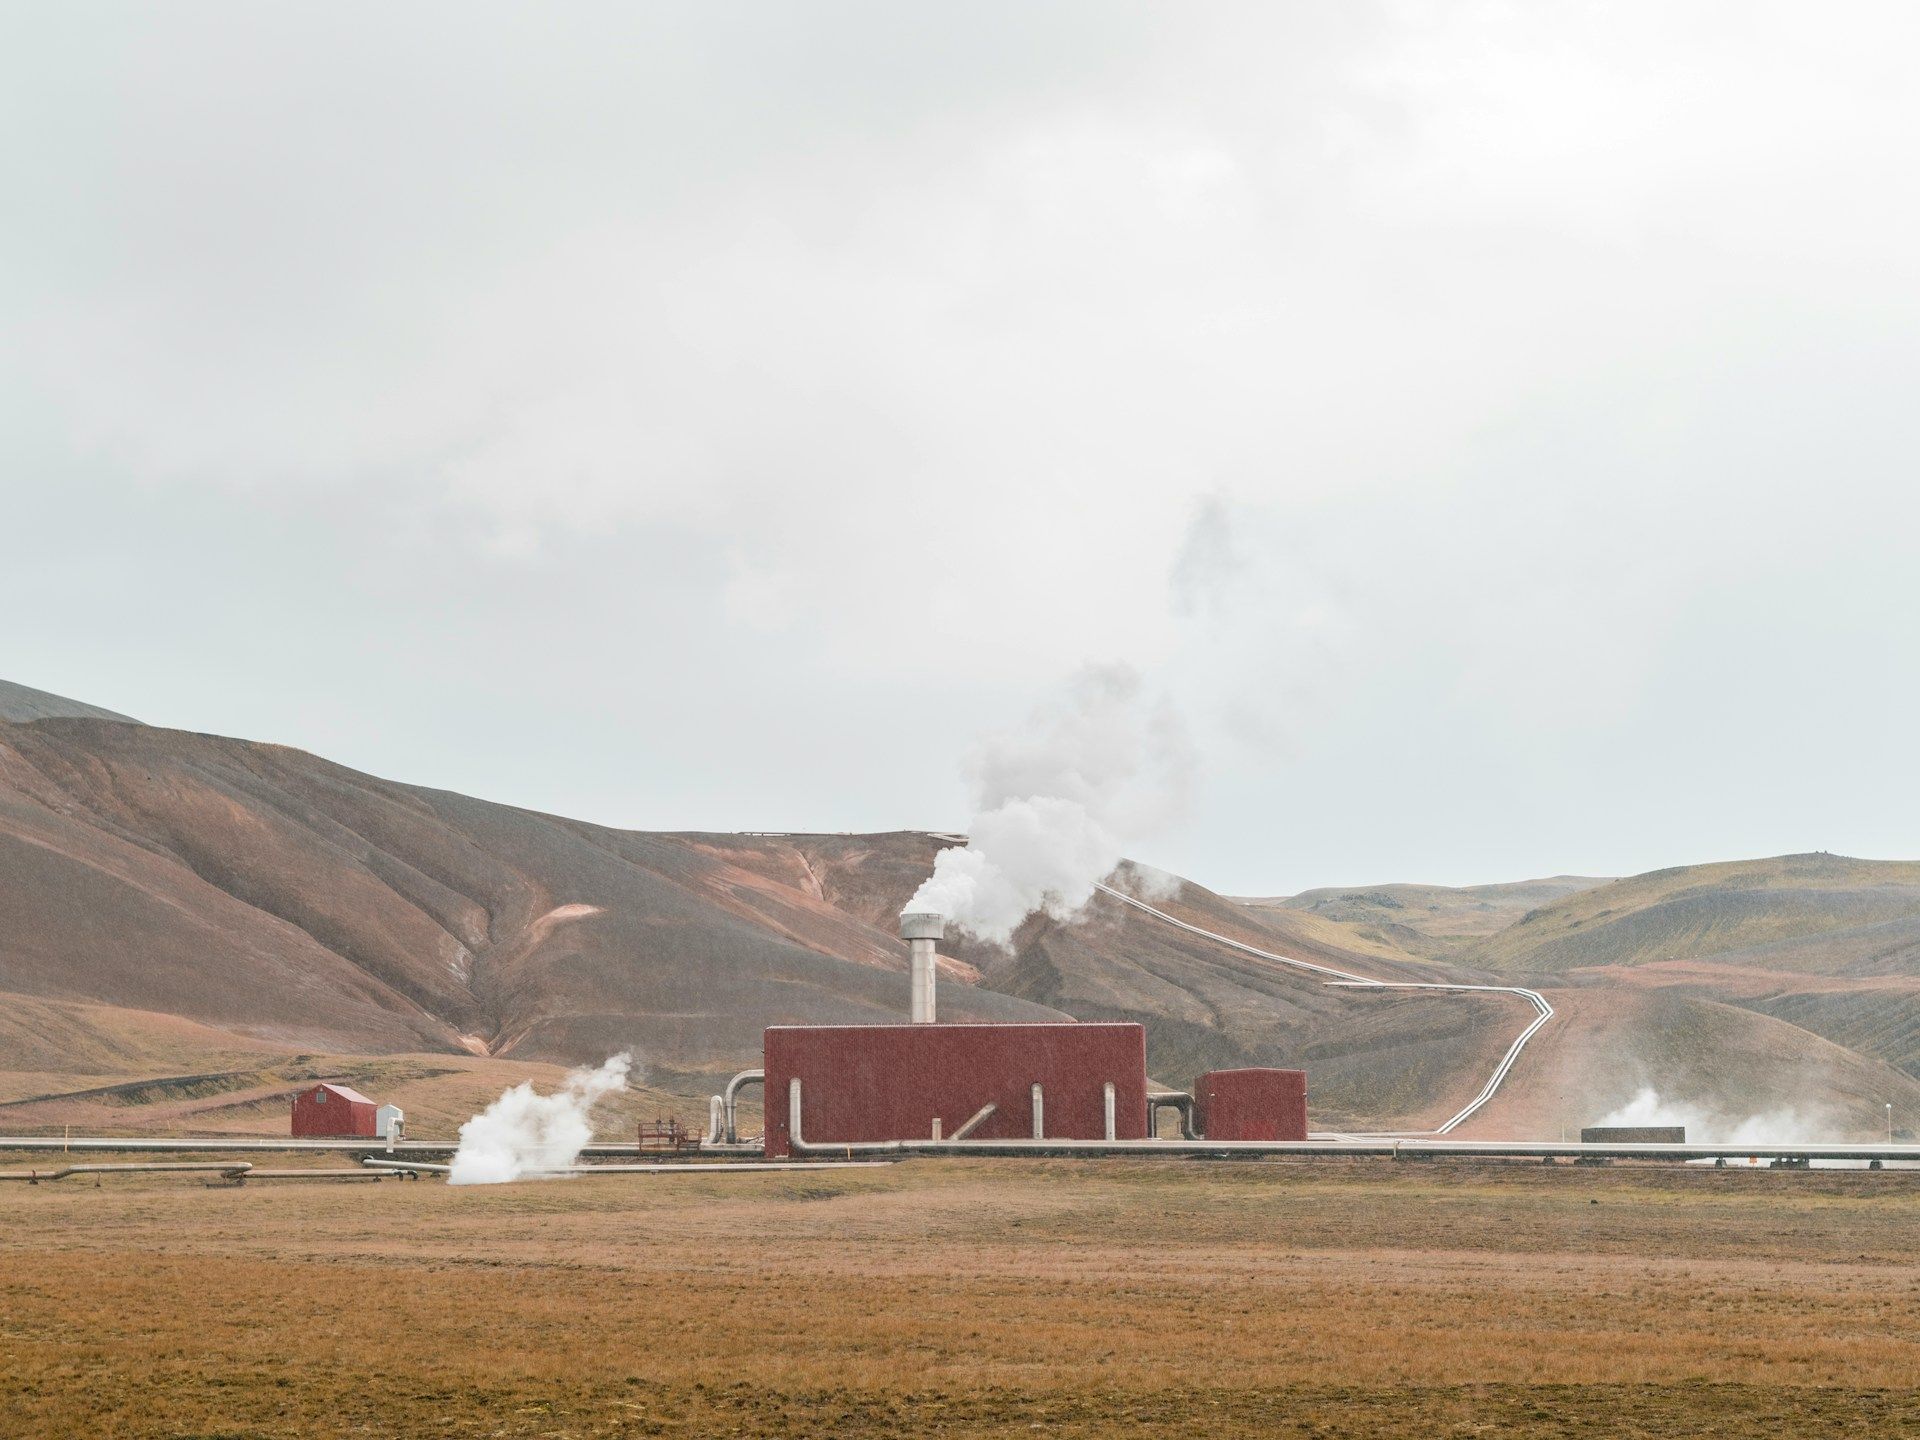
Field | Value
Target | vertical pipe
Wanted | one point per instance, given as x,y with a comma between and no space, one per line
922,930
936,1127
1039,1113
923,979
1113,1131
745,1077
794,1141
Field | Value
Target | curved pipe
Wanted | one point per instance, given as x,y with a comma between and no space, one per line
1533,997
1174,1099
745,1077
1348,979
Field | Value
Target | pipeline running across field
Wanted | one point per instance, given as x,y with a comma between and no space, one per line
1343,1147
1543,1012
721,1167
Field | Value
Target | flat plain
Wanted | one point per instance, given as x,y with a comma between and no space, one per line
971,1298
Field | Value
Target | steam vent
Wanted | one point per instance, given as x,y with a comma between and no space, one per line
833,1087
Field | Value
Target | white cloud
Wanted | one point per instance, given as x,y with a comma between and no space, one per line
1529,353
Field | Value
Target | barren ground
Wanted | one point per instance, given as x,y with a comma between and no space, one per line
972,1298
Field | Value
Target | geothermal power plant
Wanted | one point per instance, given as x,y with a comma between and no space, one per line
855,1088
864,1094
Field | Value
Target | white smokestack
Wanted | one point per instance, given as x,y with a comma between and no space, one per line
524,1134
922,932
1056,802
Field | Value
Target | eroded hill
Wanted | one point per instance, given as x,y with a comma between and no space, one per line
218,919
233,891
1432,920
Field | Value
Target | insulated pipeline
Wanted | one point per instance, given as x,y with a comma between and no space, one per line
1346,978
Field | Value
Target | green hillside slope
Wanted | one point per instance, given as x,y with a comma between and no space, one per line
1795,913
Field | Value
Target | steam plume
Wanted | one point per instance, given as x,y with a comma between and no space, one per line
1783,1126
524,1134
1056,802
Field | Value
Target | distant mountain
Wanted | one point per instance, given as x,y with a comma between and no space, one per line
215,918
274,896
1828,942
21,703
1824,913
1432,920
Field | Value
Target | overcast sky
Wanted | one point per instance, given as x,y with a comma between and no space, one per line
1493,428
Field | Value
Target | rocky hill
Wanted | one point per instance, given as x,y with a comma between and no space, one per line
217,919
1432,920
1827,942
21,703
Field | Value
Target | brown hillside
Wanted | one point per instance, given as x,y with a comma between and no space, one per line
1795,912
1829,943
269,893
175,907
246,898
1431,920
1726,1063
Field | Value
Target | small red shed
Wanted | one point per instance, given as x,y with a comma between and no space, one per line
1251,1104
334,1110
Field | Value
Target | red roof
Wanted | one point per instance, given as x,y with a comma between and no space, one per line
346,1092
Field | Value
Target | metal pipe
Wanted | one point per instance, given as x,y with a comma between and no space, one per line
745,1077
1179,1100
405,1167
716,1121
979,1119
922,931
1348,979
1396,1149
1039,1112
1533,997
1113,1129
1465,1149
139,1167
729,1167
922,965
250,1145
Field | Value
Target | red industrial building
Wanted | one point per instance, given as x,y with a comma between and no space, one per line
875,1084
322,1111
1251,1105
919,1082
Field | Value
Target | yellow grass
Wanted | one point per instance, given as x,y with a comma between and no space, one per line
971,1299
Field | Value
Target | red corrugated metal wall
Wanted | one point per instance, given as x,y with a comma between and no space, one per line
890,1082
1251,1104
334,1116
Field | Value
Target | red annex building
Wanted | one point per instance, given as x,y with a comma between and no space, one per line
322,1111
893,1082
1251,1104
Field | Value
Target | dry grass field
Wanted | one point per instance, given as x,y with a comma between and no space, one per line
971,1298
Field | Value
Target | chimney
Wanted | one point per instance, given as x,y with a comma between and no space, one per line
920,929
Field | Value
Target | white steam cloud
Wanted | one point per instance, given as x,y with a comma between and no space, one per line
1784,1126
1056,802
525,1134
